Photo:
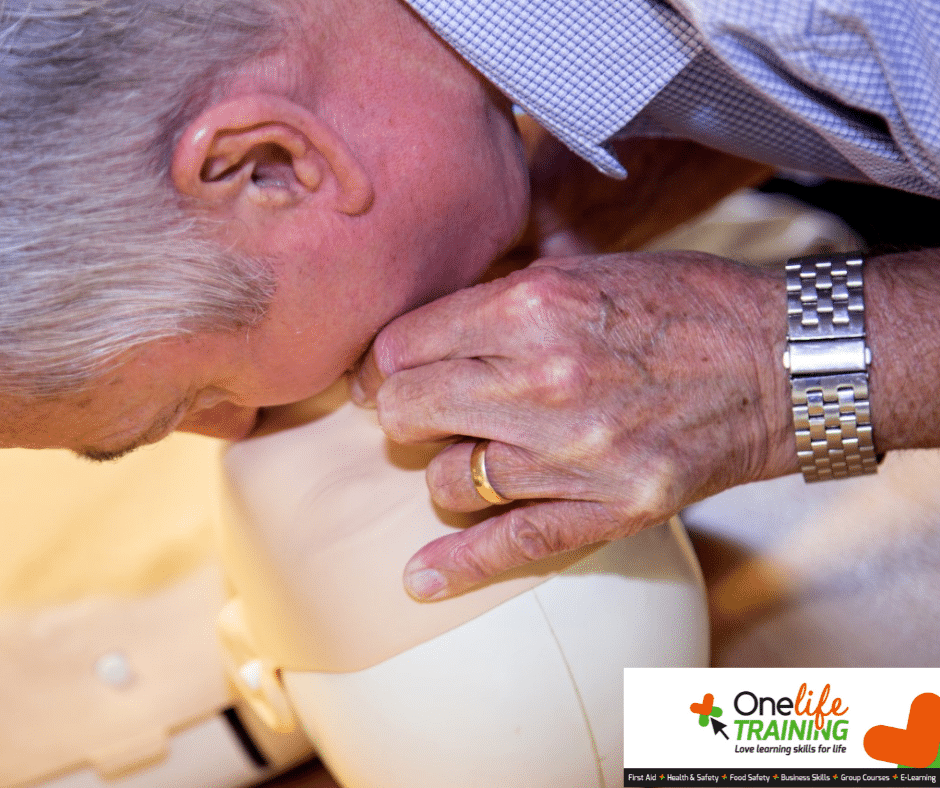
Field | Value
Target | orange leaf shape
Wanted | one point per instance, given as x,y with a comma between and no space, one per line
917,744
705,707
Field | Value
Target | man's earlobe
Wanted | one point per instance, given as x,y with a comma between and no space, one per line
271,151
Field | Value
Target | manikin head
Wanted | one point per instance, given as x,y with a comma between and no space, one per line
211,207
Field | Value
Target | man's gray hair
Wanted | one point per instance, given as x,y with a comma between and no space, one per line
97,254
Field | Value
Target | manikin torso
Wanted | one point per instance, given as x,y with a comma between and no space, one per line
519,683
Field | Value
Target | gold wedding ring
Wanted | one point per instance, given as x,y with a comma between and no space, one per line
478,473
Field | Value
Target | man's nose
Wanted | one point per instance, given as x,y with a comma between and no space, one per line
224,420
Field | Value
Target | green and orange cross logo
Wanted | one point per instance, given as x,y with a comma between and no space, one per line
707,710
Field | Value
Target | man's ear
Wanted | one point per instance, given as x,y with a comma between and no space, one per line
270,151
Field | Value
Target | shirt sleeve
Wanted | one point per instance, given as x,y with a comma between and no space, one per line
860,76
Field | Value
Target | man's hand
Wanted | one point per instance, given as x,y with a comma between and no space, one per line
614,390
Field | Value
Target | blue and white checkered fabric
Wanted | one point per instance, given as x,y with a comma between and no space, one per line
848,88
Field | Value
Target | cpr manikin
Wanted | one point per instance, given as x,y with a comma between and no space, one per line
110,587
519,683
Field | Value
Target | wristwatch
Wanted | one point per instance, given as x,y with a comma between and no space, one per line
828,360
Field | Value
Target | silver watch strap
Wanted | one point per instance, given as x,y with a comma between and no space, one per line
828,362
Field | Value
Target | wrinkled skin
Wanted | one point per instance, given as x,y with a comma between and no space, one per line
615,389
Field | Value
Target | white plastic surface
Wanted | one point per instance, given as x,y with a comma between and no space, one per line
606,615
528,695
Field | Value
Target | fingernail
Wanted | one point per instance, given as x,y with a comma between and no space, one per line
358,395
426,585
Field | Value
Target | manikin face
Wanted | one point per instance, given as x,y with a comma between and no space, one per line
451,209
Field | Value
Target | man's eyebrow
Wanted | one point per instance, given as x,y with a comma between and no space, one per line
109,455
145,437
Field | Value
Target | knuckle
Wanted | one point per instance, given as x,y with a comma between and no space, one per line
535,293
528,540
588,444
560,378
548,294
651,494
471,562
445,485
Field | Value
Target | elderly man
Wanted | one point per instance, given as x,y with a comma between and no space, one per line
213,208
171,173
